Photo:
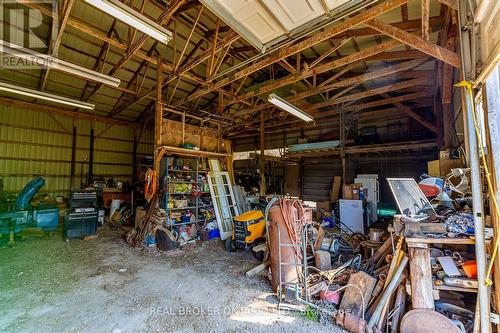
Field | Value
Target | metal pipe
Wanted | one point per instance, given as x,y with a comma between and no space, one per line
391,287
477,210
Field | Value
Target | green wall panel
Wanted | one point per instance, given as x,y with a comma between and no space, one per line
38,144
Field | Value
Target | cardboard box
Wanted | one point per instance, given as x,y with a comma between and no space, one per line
335,191
351,191
347,192
326,205
440,168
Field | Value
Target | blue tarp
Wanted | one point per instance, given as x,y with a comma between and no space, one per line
314,146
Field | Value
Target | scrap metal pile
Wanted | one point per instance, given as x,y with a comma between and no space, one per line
371,283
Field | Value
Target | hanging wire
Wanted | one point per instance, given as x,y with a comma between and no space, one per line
468,87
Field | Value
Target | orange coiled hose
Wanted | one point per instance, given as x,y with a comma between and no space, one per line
151,184
294,217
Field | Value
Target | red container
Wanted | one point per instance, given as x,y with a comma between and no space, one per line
470,269
330,296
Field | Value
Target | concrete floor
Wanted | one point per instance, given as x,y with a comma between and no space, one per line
103,285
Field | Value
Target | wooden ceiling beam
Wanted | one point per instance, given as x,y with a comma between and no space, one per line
67,6
360,18
435,22
364,94
179,61
65,113
293,125
416,42
103,36
182,71
385,101
413,114
395,69
329,52
164,19
369,93
355,57
453,4
380,73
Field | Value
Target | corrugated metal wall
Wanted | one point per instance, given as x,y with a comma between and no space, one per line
39,144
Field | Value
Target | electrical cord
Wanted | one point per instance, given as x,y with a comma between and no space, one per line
150,184
468,87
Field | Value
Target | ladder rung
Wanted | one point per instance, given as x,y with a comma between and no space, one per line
291,245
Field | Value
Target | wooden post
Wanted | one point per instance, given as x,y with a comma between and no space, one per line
262,160
342,146
438,111
158,111
73,159
90,175
421,277
134,158
184,127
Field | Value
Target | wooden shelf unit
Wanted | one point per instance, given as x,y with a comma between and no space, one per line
421,283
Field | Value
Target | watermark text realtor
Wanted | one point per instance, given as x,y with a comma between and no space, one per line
25,33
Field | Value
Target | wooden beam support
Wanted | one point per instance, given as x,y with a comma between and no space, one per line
347,82
421,278
329,52
183,70
427,47
200,11
385,101
282,53
319,69
55,46
65,113
158,112
354,97
447,77
413,114
164,19
380,73
262,166
425,19
453,4
211,61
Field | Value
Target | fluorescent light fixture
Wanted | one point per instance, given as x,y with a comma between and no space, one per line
290,108
43,60
45,96
131,17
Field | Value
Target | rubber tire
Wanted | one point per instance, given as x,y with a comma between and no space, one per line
230,245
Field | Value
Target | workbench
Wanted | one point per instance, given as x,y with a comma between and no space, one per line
109,194
422,286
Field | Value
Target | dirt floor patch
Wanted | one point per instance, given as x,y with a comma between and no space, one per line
104,285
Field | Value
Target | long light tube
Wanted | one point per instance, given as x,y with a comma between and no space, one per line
131,17
44,60
45,96
290,108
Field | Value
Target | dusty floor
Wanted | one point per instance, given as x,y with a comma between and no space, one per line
103,285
